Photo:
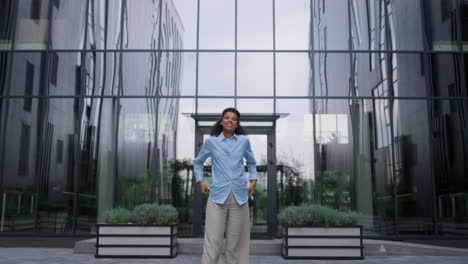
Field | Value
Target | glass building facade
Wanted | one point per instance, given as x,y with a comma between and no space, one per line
356,104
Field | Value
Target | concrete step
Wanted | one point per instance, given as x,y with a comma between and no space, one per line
194,246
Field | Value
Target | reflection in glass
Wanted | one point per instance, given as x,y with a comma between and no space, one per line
141,23
330,25
255,74
113,30
187,11
450,159
187,70
26,80
255,106
46,157
406,31
32,27
332,74
293,23
95,25
411,166
445,72
440,26
6,27
216,74
258,204
68,22
294,153
217,24
63,77
182,166
293,74
140,73
213,106
254,24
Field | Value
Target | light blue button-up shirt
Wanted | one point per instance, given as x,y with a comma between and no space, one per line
227,171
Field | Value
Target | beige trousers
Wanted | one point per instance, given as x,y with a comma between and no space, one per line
231,219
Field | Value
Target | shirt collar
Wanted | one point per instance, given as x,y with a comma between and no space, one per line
221,136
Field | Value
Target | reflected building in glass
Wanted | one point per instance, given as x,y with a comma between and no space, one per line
355,104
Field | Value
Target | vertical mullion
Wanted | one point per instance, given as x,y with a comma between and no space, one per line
312,92
274,56
197,53
235,53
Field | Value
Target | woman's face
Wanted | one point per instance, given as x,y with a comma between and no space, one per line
229,122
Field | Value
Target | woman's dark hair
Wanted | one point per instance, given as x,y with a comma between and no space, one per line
216,129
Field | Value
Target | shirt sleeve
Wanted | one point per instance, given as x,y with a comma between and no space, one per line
251,163
199,160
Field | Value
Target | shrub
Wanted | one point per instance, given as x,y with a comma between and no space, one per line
315,215
117,216
153,214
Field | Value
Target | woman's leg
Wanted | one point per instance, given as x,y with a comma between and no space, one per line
237,232
215,224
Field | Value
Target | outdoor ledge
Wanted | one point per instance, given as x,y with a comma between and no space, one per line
194,246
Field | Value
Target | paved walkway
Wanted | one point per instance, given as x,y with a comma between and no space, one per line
55,256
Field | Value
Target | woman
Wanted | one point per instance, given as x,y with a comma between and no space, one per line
227,210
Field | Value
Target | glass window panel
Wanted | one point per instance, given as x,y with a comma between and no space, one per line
187,11
96,24
94,77
68,21
171,66
362,21
213,106
408,76
368,25
332,74
294,153
32,28
405,22
445,74
255,106
6,24
412,164
216,74
373,192
330,25
141,24
140,74
293,74
217,24
187,74
442,30
40,154
27,78
5,59
113,30
183,198
254,24
255,74
292,21
448,144
103,73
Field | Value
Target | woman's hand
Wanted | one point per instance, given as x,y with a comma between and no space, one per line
203,188
252,185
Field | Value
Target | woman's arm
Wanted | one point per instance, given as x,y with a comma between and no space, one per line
198,167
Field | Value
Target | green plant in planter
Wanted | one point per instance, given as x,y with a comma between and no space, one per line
153,214
313,214
117,216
